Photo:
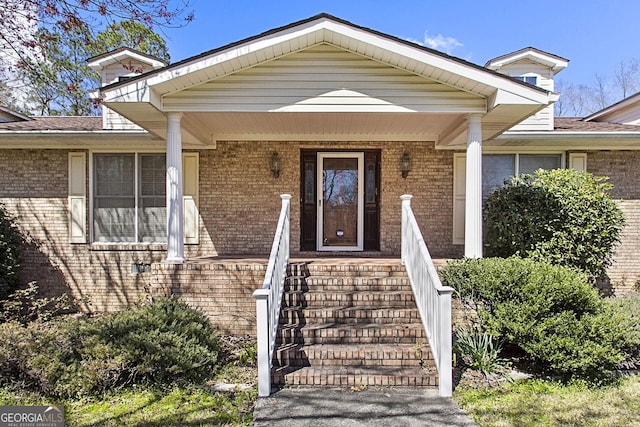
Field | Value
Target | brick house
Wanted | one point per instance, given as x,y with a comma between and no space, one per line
187,163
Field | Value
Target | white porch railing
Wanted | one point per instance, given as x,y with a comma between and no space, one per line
269,298
432,298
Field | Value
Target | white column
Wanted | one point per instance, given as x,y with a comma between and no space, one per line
473,201
175,223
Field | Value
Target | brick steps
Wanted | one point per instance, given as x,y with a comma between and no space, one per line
356,376
350,325
337,333
358,314
358,298
354,355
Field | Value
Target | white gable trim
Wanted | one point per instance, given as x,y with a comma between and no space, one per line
396,53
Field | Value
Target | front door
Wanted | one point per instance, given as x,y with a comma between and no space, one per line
345,217
341,202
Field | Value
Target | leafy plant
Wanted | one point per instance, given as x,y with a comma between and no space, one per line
550,312
627,309
560,216
478,350
249,354
162,342
24,305
10,253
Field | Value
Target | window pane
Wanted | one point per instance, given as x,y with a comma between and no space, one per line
529,163
114,204
114,219
496,168
152,174
153,219
152,200
114,174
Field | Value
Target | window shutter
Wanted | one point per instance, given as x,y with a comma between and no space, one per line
578,161
459,193
190,175
77,198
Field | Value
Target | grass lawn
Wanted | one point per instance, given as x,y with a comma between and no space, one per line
544,403
146,407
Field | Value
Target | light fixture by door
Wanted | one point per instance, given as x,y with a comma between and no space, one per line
405,164
275,164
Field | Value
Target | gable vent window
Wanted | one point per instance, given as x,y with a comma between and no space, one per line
532,80
129,203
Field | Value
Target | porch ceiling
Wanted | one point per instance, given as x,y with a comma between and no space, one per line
205,128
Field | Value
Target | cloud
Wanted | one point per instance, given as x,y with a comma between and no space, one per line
440,42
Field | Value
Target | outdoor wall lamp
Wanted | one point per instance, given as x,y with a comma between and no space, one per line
405,164
276,164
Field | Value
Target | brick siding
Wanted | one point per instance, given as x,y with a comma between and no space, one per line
239,206
623,170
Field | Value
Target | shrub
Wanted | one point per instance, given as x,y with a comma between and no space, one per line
550,312
25,306
628,310
560,216
10,245
159,343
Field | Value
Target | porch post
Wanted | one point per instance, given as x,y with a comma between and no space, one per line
473,202
175,224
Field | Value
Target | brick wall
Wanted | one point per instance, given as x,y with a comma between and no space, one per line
622,168
239,205
239,198
222,291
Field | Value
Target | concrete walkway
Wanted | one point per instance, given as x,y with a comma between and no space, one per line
370,407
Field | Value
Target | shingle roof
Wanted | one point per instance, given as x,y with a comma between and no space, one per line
577,124
57,123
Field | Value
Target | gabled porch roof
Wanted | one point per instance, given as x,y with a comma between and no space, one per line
324,78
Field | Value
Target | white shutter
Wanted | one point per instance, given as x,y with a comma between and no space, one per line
190,180
459,193
578,161
77,197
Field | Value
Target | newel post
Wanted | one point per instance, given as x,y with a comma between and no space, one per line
262,330
406,205
445,362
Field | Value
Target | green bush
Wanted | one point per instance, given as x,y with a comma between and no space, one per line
550,312
159,343
628,310
561,216
25,306
10,245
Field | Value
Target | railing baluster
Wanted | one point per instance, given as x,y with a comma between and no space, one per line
433,299
269,298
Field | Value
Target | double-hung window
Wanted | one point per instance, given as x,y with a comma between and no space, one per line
129,202
496,168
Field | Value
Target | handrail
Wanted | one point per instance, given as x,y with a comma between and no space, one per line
432,298
269,298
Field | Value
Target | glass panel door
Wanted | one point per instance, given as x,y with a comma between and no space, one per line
340,209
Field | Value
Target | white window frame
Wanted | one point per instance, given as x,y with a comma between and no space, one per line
457,234
137,194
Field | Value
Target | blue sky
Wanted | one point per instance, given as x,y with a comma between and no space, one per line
594,35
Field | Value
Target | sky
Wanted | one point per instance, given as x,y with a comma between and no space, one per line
594,35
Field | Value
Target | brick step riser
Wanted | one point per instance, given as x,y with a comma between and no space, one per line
306,358
360,319
341,288
333,336
349,280
372,380
330,299
364,273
